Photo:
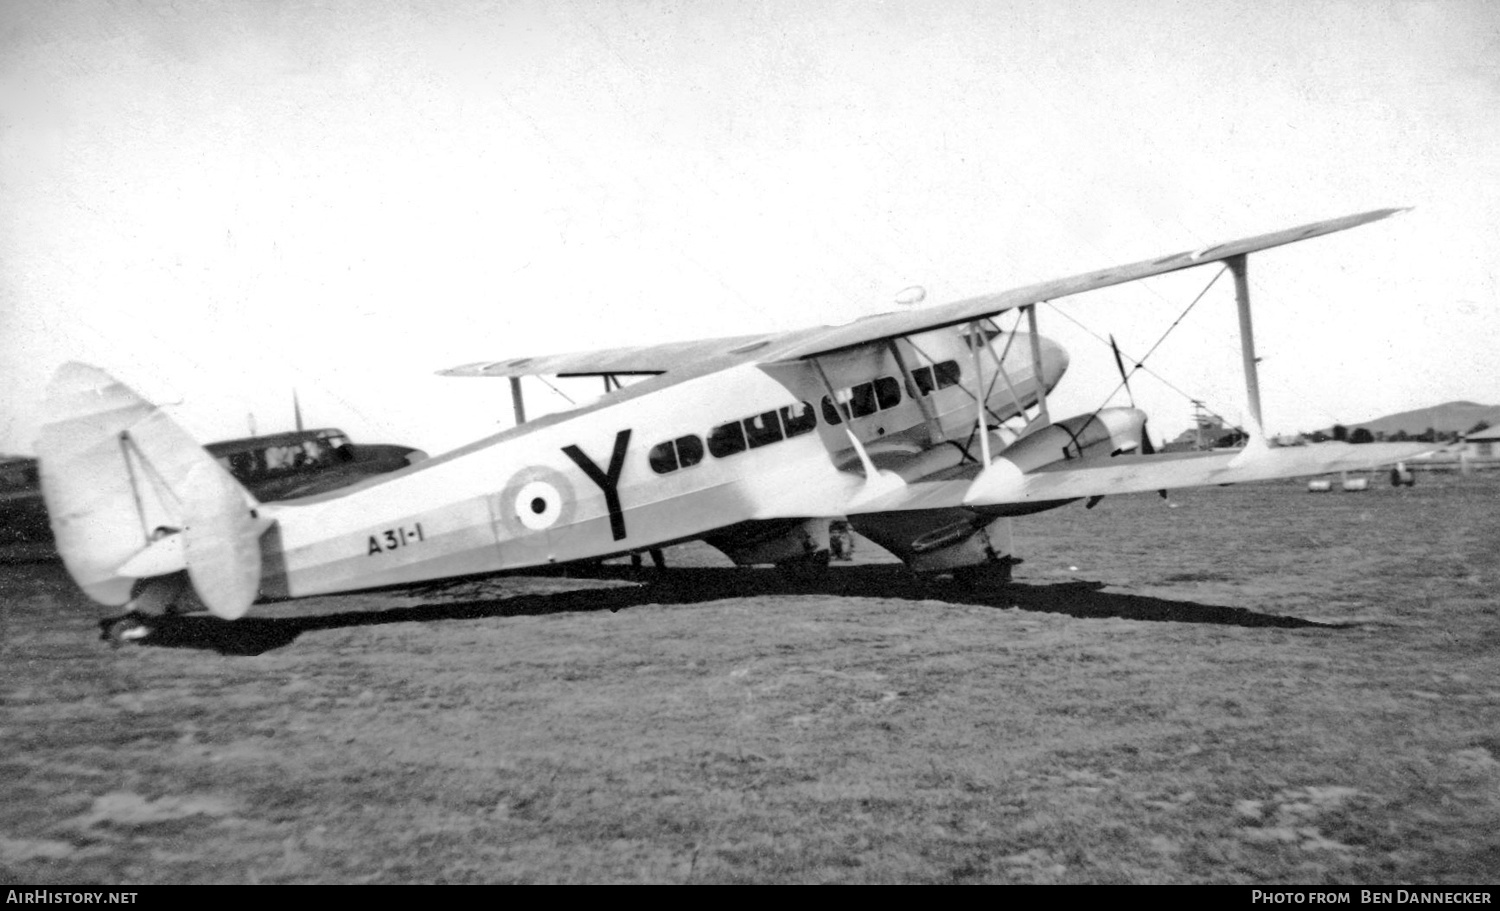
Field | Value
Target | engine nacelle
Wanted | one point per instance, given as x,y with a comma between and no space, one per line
941,540
780,541
1109,432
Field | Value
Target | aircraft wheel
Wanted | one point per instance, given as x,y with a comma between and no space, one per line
129,628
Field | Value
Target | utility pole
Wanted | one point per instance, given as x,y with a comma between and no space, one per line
1198,419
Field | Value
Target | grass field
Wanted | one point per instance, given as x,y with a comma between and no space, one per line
1249,685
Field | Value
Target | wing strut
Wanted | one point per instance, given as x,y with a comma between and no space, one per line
981,417
1036,366
1238,265
517,401
1001,372
848,415
877,482
934,427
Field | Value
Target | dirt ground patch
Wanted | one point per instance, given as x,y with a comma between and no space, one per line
1248,684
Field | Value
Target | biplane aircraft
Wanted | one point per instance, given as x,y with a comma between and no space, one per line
901,422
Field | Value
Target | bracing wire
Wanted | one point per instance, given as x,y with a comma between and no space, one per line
1140,363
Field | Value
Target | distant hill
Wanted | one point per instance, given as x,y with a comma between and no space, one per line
1448,417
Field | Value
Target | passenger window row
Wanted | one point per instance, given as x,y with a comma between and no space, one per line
794,420
733,437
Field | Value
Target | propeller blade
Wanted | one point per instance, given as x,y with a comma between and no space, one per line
1120,365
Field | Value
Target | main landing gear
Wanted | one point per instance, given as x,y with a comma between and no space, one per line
123,630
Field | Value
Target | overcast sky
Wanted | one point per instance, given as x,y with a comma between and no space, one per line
222,202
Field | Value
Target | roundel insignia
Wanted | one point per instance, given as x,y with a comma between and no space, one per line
536,499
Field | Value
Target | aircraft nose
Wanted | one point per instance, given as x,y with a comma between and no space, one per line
1054,362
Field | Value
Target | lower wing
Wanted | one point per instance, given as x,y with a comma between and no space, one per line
1003,487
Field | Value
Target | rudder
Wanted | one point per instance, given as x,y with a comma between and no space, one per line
121,478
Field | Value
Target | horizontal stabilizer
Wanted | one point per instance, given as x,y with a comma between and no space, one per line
1142,473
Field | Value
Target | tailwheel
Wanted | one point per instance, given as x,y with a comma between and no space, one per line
132,627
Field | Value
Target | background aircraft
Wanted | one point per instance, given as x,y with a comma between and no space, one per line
929,429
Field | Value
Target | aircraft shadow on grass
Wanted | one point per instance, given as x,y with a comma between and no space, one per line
506,598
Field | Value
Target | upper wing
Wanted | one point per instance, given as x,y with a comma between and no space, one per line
644,359
895,325
804,343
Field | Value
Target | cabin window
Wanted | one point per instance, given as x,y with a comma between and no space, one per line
726,439
862,404
864,400
798,419
763,429
683,452
831,414
689,451
947,373
663,458
922,377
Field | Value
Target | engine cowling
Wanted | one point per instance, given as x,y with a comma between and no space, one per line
779,541
941,540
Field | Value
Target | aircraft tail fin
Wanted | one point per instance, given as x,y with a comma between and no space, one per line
131,495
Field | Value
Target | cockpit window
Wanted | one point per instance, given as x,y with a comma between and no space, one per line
947,373
940,376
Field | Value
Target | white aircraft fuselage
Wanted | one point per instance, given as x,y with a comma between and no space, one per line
651,464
